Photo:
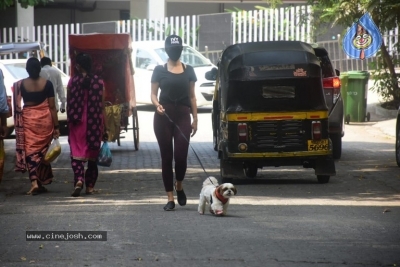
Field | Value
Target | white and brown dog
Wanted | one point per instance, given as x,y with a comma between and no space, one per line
217,196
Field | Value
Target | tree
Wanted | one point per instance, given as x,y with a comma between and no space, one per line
24,3
386,15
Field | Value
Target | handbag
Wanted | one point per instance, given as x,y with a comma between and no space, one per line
53,152
105,158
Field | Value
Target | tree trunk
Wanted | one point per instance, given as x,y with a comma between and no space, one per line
395,83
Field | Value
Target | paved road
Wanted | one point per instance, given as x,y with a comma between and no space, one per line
282,218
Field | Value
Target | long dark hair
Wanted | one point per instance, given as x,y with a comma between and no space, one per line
33,68
85,61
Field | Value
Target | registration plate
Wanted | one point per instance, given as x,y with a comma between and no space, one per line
319,145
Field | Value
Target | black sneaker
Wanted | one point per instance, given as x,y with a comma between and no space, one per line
181,197
170,206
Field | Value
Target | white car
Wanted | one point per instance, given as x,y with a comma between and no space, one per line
15,70
146,55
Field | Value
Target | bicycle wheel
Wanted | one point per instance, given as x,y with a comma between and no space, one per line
135,128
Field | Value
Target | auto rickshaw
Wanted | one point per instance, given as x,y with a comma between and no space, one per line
269,110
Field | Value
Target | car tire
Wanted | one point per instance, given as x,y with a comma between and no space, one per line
347,119
250,170
323,179
336,146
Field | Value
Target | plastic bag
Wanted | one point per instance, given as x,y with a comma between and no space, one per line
53,152
105,158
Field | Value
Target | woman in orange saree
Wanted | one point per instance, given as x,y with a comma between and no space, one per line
36,124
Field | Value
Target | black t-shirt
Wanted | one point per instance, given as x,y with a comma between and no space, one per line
37,97
175,88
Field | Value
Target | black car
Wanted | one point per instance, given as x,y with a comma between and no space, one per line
333,97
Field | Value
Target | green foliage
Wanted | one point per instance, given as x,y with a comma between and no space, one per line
386,15
24,3
383,82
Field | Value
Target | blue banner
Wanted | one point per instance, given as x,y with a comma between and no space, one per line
363,39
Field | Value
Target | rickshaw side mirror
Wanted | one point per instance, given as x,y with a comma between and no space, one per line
212,74
337,72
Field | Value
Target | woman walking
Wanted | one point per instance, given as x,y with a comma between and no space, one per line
85,116
36,124
177,100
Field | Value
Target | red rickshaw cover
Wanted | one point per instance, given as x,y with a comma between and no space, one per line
111,60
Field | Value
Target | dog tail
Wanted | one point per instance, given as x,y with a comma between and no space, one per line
211,180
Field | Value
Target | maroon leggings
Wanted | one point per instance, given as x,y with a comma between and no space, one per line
89,177
173,145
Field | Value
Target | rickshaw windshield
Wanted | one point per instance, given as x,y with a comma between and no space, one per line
290,94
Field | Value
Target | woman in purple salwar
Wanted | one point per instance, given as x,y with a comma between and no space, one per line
85,116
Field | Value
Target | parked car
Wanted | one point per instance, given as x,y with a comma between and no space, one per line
14,70
23,49
146,55
333,98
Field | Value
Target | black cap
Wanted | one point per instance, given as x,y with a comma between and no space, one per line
173,41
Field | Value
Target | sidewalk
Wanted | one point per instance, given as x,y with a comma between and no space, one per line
385,119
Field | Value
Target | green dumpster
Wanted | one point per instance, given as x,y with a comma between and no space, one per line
356,97
344,80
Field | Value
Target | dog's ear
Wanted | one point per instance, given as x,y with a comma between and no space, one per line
234,190
220,189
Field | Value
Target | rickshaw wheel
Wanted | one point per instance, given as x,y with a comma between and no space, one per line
323,179
135,128
223,178
215,143
250,170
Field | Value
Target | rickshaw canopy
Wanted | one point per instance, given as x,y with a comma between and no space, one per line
270,76
111,60
270,59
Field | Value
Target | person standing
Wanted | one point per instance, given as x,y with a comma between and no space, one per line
176,101
54,76
3,120
36,125
86,120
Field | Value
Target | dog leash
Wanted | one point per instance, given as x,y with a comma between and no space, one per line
201,164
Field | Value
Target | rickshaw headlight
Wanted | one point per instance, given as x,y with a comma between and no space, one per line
242,147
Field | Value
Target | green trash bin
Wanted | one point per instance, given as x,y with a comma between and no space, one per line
344,80
356,97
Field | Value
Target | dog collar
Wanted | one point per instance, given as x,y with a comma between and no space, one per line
220,197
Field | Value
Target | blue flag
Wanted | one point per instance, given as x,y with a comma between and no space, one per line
363,39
